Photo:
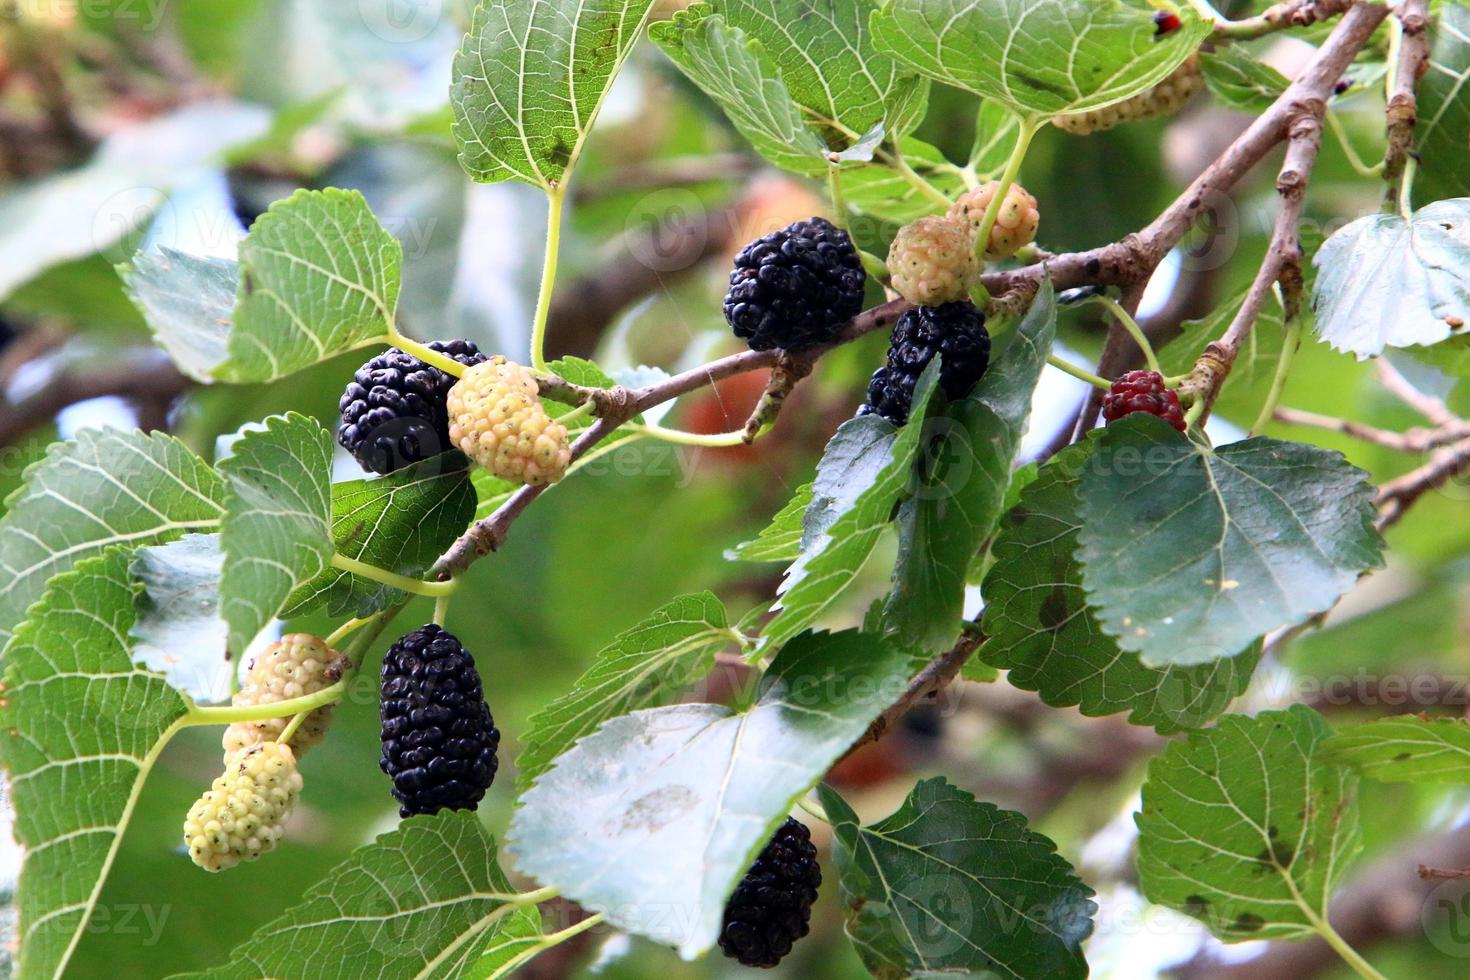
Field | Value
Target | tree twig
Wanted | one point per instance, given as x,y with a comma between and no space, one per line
152,382
926,684
1412,441
1401,388
1396,496
1403,107
1281,17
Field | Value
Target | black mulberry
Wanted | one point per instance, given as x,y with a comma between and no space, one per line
772,906
795,288
439,740
393,411
956,331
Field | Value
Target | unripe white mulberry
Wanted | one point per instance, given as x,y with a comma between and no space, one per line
1015,223
296,665
1164,99
243,814
496,419
932,261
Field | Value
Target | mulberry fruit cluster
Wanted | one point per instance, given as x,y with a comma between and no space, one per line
243,814
795,288
956,331
296,665
1143,391
1164,99
496,418
393,412
439,740
932,261
1015,223
772,906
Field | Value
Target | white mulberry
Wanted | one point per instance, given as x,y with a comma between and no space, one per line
1015,223
243,814
1164,99
496,418
296,665
932,261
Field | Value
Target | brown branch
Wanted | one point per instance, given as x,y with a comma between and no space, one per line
1403,107
141,383
1400,387
926,684
1412,441
1396,496
1281,17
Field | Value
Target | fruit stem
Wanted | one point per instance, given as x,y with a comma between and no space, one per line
814,808
291,727
839,202
376,574
1290,341
1134,330
228,714
425,353
1334,123
683,438
1080,374
1195,412
1406,187
555,198
1024,134
344,631
441,609
934,194
582,411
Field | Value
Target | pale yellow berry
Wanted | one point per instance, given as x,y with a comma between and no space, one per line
243,813
496,419
1164,99
1015,223
932,261
296,665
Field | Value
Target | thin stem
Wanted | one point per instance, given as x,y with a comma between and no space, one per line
896,160
1134,330
548,941
1196,410
814,808
376,574
1334,123
441,609
231,713
1289,344
556,198
291,727
1081,374
1406,187
1024,135
839,202
425,353
582,411
344,631
1349,955
680,437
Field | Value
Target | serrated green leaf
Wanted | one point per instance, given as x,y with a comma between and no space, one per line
424,900
1407,749
518,939
781,539
1038,626
1444,109
962,477
1245,828
178,630
1383,281
529,79
84,728
673,803
1040,58
1240,80
645,666
733,70
1188,555
950,886
318,276
108,487
401,522
188,302
277,533
845,537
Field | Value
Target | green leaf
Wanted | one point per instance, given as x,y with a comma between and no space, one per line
1407,749
188,302
645,666
1038,626
1240,80
107,487
673,803
883,192
401,522
1041,58
1444,109
949,886
178,630
518,939
843,524
996,130
735,72
425,900
1386,282
1245,828
277,532
1188,555
529,79
318,276
781,539
963,475
84,728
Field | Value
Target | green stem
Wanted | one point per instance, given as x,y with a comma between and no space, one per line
1349,955
839,202
291,727
345,630
1134,330
556,198
1289,344
1334,123
231,713
582,411
1024,135
814,808
441,609
680,437
934,194
548,941
1195,412
425,353
1406,187
376,574
1080,374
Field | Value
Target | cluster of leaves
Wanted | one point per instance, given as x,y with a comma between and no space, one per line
1135,572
